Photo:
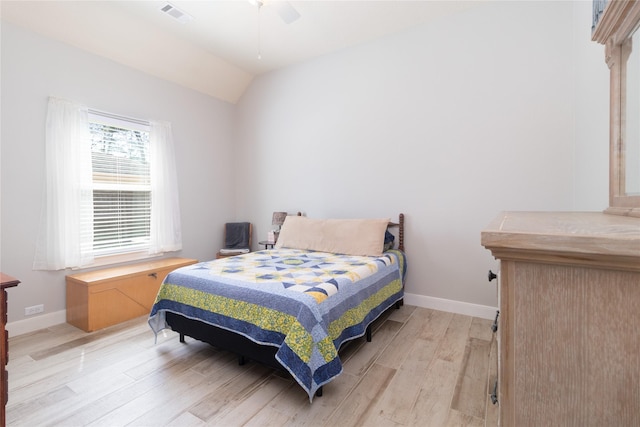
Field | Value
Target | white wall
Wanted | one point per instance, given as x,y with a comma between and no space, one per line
33,68
591,79
449,122
502,107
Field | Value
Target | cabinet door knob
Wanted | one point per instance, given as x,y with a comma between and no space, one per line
492,275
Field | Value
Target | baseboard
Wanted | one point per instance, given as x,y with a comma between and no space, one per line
36,323
44,321
451,306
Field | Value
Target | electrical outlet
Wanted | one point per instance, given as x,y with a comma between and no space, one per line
34,309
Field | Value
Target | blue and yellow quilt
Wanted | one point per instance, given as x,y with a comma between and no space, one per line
305,303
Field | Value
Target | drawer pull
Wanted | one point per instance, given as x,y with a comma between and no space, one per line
494,327
154,275
494,393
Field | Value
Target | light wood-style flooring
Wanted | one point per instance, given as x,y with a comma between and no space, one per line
423,368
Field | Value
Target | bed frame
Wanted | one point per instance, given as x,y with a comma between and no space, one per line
242,346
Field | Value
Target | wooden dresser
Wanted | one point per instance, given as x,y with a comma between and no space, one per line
6,281
100,298
569,325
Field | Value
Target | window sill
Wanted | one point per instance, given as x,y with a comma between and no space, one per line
105,260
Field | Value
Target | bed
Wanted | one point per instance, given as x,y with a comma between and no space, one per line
294,306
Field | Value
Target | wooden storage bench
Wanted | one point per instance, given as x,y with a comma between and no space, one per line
101,298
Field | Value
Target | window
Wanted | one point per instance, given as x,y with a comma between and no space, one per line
120,162
111,189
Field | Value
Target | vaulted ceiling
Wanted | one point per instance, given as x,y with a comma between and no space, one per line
228,42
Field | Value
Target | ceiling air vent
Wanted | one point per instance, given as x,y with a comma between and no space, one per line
176,13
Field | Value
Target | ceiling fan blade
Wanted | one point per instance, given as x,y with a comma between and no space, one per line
286,11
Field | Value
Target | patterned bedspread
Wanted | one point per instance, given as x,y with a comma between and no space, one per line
303,302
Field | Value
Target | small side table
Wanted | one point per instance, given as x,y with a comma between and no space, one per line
266,244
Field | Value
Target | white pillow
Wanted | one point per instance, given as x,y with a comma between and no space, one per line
343,236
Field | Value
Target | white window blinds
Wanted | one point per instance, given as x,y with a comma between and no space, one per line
120,163
111,188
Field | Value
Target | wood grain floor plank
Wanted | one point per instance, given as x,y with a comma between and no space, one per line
458,419
472,379
453,343
268,418
400,395
226,395
90,371
186,419
87,411
396,351
156,397
166,356
303,413
65,366
481,329
124,375
23,412
367,353
43,339
240,411
433,404
182,402
402,314
363,397
436,323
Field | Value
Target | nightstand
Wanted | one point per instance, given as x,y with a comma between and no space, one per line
266,244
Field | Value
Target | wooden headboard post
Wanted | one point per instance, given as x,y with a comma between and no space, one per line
401,232
400,225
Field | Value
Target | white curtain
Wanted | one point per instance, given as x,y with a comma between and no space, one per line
66,232
166,231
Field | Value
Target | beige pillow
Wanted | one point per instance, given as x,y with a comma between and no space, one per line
342,236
